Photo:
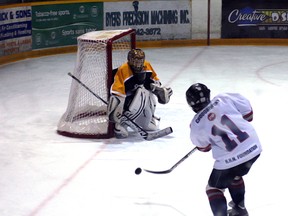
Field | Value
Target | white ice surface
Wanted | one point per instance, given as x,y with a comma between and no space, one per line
46,174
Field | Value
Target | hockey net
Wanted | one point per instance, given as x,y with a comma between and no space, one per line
99,52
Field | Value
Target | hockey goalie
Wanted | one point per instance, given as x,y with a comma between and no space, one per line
133,95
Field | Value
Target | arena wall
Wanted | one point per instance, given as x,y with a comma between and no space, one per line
36,29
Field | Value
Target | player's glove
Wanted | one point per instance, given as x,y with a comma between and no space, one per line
163,94
204,149
248,117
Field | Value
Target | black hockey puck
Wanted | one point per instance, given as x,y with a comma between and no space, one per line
138,171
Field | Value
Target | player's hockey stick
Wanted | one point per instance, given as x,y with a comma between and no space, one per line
139,170
143,133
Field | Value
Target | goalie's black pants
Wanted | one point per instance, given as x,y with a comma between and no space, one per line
232,179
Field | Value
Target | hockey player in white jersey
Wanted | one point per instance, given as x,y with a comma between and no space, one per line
223,125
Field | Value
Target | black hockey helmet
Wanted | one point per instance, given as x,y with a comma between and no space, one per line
198,96
136,58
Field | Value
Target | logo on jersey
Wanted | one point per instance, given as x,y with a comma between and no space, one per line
206,110
211,116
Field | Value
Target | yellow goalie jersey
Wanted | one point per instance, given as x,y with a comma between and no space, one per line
126,82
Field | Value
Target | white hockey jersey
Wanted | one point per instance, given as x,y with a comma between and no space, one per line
224,125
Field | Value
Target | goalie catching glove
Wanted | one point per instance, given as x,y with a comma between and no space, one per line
163,94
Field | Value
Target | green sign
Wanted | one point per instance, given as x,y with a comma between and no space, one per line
61,24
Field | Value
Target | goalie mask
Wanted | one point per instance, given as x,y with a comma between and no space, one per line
198,96
136,58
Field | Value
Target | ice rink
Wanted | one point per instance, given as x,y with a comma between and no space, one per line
46,174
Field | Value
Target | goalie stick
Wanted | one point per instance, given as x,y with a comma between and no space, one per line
143,133
138,170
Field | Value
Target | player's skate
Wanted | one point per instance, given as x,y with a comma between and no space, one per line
239,210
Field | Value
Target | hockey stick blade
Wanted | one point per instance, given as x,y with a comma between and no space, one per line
158,172
157,134
173,167
149,135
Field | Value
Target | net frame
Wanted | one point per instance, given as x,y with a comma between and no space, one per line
86,115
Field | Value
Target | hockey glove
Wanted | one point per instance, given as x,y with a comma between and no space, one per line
163,94
204,149
249,117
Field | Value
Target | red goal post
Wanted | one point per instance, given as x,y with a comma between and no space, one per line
98,53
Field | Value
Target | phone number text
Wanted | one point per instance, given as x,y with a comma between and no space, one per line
148,31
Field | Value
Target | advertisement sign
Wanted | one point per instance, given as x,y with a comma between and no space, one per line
15,30
153,20
61,24
254,19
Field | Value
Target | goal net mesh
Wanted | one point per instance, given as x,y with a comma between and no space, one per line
99,52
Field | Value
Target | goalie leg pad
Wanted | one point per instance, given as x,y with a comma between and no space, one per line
154,122
115,108
152,102
138,103
142,108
